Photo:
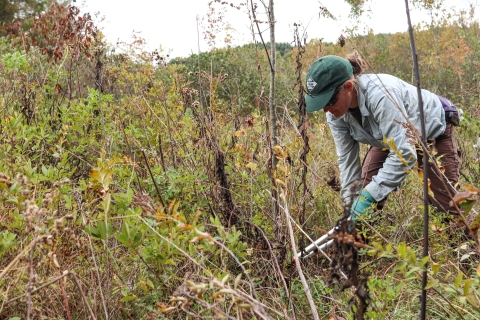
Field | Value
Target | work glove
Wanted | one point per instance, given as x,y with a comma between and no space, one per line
361,205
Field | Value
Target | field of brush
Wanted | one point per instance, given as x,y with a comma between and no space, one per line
133,186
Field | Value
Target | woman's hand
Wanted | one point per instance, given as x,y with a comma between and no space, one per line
362,204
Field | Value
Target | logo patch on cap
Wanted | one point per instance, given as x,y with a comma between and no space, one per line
311,84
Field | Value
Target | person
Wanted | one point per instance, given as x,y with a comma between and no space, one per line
382,111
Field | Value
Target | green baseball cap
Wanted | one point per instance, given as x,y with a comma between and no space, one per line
324,76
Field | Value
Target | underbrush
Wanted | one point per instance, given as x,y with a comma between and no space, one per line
150,196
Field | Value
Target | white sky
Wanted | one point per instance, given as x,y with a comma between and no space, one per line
172,24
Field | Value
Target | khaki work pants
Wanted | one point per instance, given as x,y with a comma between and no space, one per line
448,155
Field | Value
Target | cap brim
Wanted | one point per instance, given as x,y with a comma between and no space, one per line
319,102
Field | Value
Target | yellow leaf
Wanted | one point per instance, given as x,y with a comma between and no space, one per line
95,175
171,206
240,133
252,166
239,147
197,215
167,309
182,225
160,216
177,299
471,188
196,239
283,169
278,150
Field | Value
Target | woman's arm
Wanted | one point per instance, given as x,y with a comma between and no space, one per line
386,110
348,159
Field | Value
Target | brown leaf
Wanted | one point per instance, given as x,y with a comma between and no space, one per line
461,196
472,188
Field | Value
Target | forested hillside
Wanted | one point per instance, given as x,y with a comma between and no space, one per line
136,186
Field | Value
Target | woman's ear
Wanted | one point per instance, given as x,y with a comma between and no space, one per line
349,85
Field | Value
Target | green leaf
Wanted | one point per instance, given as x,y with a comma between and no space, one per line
401,265
402,250
128,298
425,260
450,290
377,246
150,283
106,202
387,255
388,248
467,205
431,284
435,267
458,280
412,270
122,239
472,301
466,287
44,171
412,258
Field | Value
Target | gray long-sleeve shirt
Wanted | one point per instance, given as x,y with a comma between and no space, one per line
383,99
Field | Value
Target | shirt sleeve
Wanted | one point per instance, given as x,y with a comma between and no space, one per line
348,159
387,110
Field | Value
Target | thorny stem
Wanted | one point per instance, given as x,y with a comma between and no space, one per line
65,301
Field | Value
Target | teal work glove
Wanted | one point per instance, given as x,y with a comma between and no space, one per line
361,204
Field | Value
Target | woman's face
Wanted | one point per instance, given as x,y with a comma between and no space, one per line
345,99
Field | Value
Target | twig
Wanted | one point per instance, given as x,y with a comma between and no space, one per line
175,246
153,178
279,270
65,301
297,264
30,280
65,273
448,301
252,285
131,155
98,278
75,279
260,34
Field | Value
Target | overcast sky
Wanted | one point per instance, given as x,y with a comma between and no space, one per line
173,24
